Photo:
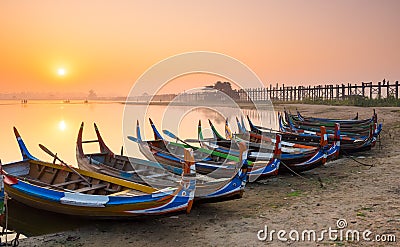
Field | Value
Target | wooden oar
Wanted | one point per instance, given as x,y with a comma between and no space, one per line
179,139
134,139
62,162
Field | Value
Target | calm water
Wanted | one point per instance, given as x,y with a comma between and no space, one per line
55,125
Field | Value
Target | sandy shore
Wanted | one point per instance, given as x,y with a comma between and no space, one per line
367,198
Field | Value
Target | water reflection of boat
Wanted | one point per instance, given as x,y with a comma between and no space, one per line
30,221
60,188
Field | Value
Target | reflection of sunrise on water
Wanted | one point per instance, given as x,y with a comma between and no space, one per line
62,125
56,126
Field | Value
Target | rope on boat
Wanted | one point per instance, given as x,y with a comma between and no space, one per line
15,241
290,169
361,163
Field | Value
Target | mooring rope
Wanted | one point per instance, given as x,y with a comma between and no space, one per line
15,241
361,163
291,170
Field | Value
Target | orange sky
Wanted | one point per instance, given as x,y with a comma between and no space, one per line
107,45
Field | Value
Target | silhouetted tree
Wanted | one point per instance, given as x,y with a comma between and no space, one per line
92,94
226,88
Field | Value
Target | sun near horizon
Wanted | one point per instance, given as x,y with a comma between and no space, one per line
61,72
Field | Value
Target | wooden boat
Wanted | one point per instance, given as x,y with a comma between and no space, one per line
62,189
257,154
349,144
351,126
306,118
128,168
229,146
289,127
360,127
294,159
344,122
255,141
157,175
207,161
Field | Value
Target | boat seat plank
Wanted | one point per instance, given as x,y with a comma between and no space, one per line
68,183
93,187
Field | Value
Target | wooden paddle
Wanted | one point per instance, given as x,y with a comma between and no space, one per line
134,139
168,133
62,162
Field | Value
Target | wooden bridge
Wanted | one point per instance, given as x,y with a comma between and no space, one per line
365,90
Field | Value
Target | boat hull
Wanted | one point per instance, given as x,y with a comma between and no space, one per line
94,206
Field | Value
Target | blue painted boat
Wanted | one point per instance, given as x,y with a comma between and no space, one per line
294,157
60,188
156,174
207,161
350,142
265,160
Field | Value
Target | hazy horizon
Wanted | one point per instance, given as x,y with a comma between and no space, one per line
168,89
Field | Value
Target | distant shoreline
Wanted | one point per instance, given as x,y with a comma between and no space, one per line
247,105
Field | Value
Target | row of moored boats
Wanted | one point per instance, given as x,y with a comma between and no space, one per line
180,172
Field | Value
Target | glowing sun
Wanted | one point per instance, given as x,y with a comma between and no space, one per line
61,71
62,125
